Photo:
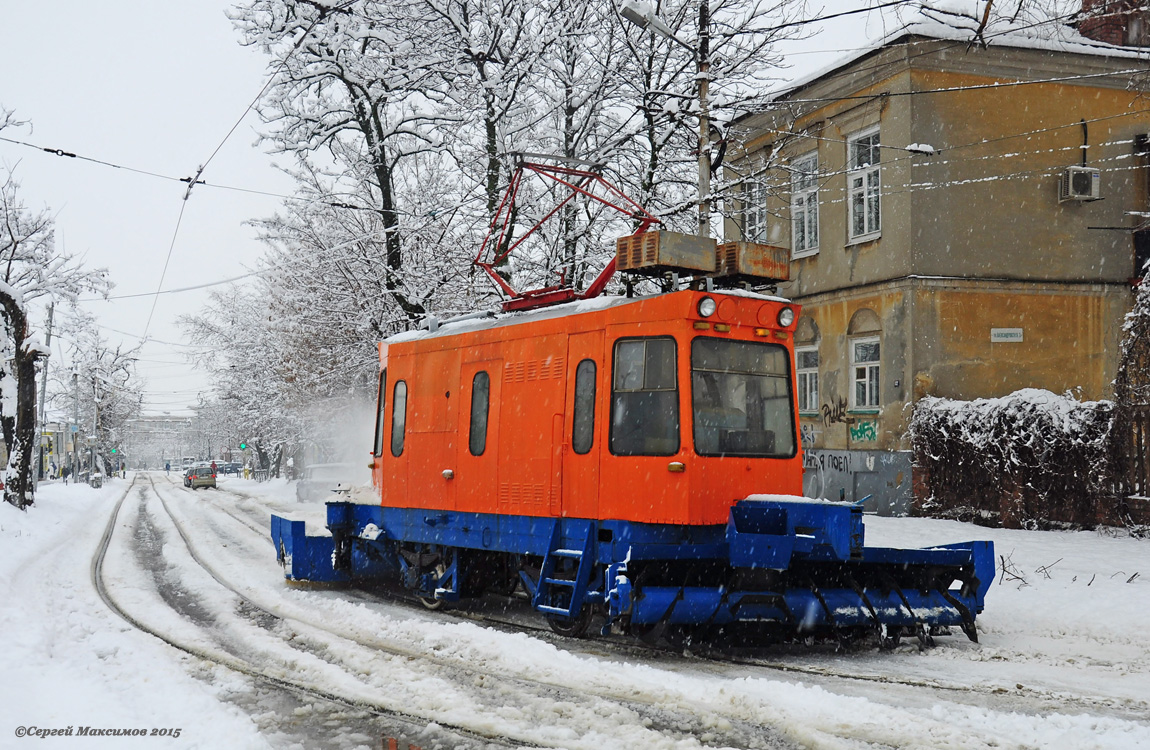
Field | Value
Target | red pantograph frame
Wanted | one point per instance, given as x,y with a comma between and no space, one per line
580,182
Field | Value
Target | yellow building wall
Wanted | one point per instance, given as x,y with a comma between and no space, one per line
935,340
1070,341
837,425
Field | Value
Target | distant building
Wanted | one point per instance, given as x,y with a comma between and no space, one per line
962,221
149,442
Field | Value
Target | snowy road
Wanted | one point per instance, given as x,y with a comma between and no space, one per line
255,663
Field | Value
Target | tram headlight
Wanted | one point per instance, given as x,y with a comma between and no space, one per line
786,317
707,307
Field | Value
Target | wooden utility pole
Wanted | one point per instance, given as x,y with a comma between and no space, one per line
43,399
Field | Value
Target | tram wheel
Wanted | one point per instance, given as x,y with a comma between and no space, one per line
440,570
571,627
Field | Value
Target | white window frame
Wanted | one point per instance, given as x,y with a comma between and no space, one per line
805,205
866,373
864,188
807,380
754,211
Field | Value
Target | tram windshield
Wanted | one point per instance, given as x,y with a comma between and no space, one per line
741,398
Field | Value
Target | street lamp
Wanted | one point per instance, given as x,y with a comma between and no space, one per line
642,14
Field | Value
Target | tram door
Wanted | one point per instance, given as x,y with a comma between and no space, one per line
476,473
583,424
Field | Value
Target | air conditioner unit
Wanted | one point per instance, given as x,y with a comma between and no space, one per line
1142,145
1079,184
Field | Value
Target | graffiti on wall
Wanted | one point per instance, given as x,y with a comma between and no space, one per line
808,434
835,412
864,430
840,462
853,475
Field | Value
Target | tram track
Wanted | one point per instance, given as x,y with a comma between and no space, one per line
1026,698
220,521
416,723
667,720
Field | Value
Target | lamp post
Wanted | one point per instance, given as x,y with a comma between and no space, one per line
643,15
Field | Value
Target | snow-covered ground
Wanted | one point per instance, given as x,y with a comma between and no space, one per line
69,662
1063,660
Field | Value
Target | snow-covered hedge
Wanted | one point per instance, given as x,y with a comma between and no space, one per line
1030,459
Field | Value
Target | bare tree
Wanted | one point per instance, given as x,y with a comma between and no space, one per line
402,117
108,391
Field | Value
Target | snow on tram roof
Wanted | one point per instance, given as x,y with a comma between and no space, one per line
468,324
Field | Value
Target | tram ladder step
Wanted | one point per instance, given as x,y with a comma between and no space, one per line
554,589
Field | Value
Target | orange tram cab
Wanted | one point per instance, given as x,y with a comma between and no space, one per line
635,459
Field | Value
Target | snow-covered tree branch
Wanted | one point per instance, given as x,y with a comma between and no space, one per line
31,268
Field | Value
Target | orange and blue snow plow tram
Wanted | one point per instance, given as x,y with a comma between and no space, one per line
635,459
612,456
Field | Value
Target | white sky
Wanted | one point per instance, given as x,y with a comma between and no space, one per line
156,86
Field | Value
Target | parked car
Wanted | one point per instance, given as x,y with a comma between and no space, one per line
232,467
318,481
202,476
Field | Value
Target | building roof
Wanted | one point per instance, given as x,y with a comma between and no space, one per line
958,21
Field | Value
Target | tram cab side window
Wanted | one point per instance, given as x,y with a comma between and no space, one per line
378,450
398,417
583,422
645,398
480,402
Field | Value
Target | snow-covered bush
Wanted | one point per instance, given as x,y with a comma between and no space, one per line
1029,459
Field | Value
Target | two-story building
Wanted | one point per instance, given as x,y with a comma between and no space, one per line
962,222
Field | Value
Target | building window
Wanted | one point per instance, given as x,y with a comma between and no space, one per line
754,211
804,206
645,399
583,420
378,449
398,417
480,402
807,368
865,367
863,182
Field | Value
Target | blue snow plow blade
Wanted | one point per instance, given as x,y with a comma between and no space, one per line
787,567
303,557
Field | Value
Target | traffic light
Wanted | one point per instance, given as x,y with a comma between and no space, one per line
113,450
243,446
